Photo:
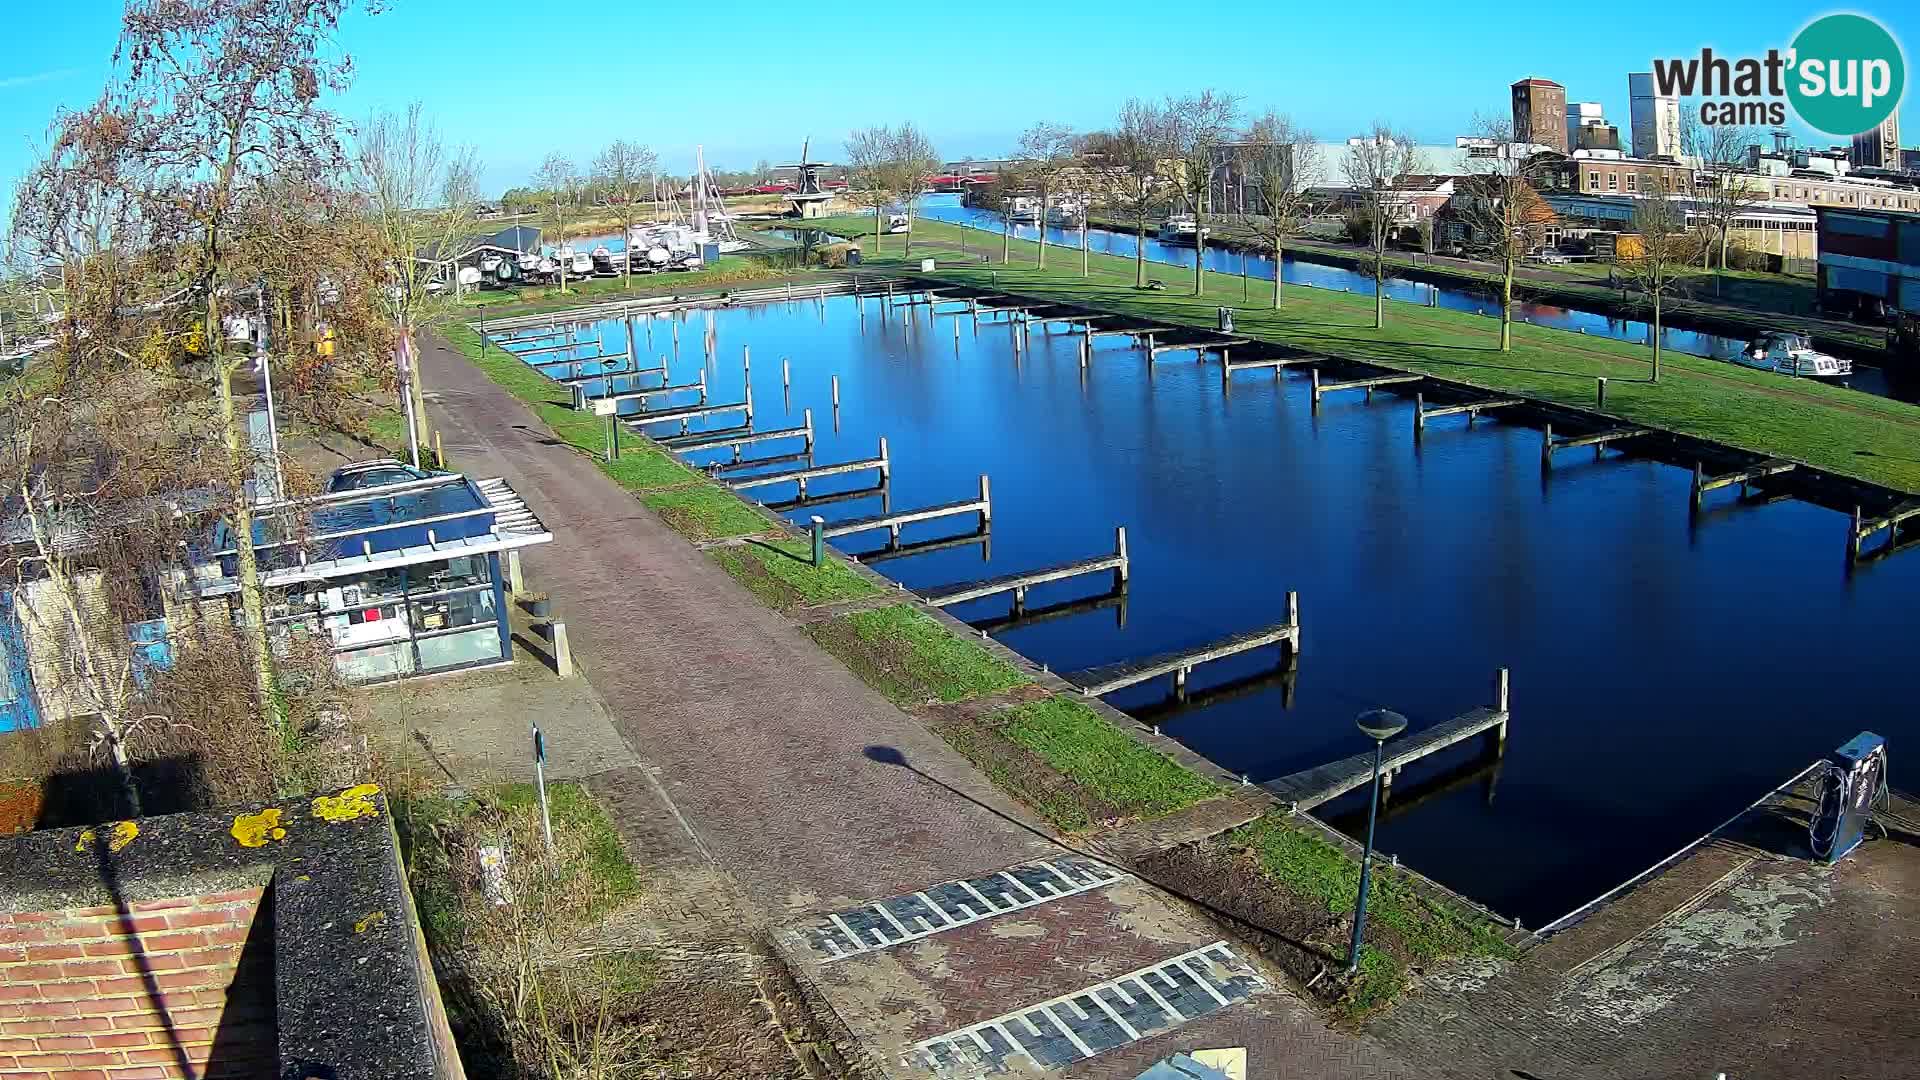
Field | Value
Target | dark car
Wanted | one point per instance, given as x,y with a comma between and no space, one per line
376,473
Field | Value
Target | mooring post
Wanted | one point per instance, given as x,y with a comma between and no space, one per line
836,393
1180,681
1315,372
1293,620
1600,392
703,383
808,418
986,502
1419,413
1120,549
747,405
786,374
746,362
1699,474
676,334
886,465
1546,447
819,539
1853,538
1502,704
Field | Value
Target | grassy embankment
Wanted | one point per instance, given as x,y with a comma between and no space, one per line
1830,427
1056,755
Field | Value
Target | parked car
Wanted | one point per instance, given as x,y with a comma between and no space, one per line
1546,256
377,472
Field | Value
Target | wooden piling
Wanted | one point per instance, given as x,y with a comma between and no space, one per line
1419,413
986,502
1120,548
1853,537
1546,447
807,422
786,374
1600,393
1699,477
886,462
836,393
1293,620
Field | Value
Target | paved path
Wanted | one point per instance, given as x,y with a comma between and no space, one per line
760,742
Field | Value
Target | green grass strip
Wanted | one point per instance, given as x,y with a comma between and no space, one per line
1081,745
781,573
705,513
912,659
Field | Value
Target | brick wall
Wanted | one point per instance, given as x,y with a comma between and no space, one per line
167,989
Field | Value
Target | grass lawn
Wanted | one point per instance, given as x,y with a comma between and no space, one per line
1830,427
912,659
1086,749
781,573
1405,927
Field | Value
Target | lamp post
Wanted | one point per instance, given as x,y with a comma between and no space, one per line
1378,725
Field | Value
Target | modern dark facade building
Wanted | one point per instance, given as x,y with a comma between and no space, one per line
1869,261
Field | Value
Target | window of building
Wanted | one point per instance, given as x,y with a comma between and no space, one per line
1613,181
1632,181
1593,180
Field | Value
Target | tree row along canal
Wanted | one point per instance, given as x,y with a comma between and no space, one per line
1667,668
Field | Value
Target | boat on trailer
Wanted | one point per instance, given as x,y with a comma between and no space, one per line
1183,230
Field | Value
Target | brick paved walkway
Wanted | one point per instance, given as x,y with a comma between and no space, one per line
760,740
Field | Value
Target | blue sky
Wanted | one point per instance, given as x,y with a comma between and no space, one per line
518,80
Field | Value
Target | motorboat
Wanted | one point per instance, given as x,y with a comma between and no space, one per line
581,265
603,260
1790,352
549,268
1066,214
1023,210
1182,229
469,277
897,223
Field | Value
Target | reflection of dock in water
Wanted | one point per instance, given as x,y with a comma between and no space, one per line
1065,609
1180,703
1483,769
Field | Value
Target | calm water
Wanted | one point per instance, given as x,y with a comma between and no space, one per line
1321,276
1663,675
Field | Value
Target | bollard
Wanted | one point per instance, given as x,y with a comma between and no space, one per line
819,539
1600,392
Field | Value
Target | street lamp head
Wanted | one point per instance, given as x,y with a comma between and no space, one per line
1381,724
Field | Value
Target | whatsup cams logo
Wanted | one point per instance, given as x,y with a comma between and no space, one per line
1843,75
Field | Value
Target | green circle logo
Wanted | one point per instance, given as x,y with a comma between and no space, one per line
1848,74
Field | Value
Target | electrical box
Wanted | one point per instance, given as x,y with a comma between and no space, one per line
1856,774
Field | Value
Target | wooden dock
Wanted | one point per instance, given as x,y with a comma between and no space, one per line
1114,600
892,522
1283,678
882,491
1019,583
1472,409
1702,483
644,393
1202,346
687,444
1367,384
1304,790
1276,363
1599,440
800,476
1891,521
614,373
1107,678
668,416
545,349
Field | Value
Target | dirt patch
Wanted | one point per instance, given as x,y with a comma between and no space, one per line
1025,775
19,806
1294,932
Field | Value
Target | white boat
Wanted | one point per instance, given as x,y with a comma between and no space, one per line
581,265
1792,353
1066,214
897,223
1023,210
1181,229
603,260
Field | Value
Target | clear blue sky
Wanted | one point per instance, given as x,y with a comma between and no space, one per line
520,79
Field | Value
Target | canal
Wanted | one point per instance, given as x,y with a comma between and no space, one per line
1665,672
1321,276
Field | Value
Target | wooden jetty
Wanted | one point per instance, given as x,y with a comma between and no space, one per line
1019,583
545,349
1863,527
601,402
681,414
734,440
883,464
1203,346
897,550
1107,678
1309,788
1367,384
613,373
1472,409
892,522
1599,440
1702,483
722,468
882,491
1277,363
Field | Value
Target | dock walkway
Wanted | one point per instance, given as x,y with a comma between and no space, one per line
1304,790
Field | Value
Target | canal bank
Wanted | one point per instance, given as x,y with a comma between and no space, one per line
1849,434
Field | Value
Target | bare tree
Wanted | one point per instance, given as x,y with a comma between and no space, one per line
1500,205
870,175
562,184
1722,188
214,94
1660,250
1377,165
1049,154
626,170
1277,158
1198,125
1130,165
422,199
914,159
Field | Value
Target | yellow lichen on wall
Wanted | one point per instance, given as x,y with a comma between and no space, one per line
373,918
254,830
355,802
117,841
